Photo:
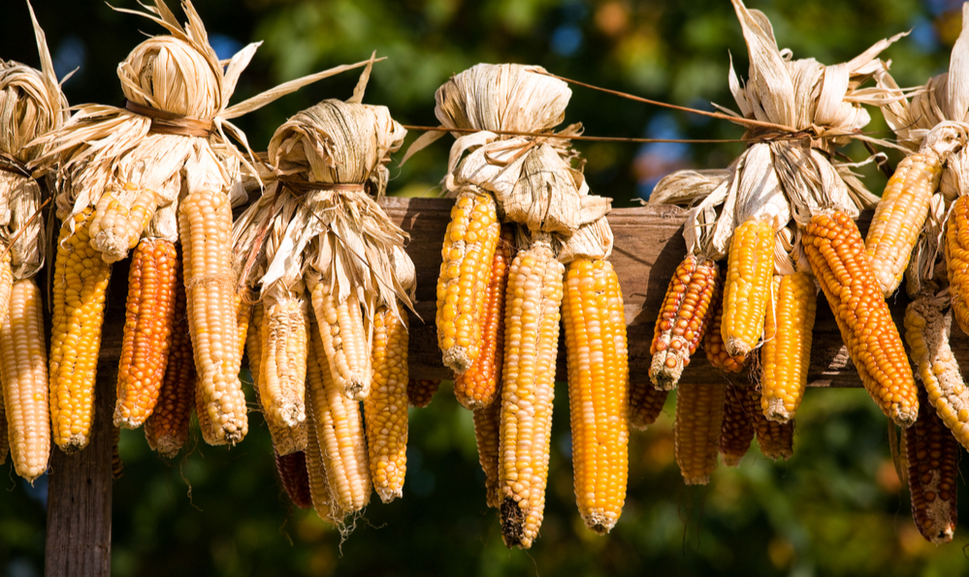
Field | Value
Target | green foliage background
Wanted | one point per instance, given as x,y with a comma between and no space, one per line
836,507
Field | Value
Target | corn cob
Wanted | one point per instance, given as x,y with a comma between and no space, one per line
697,430
750,265
317,483
23,372
466,259
386,408
149,315
292,469
254,344
420,391
646,403
205,225
487,421
533,298
344,339
958,259
167,428
117,225
775,439
835,250
934,458
899,217
478,386
80,281
6,283
683,319
927,331
242,301
283,361
598,384
117,466
4,440
737,427
714,348
787,349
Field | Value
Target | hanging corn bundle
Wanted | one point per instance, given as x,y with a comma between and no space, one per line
31,104
158,171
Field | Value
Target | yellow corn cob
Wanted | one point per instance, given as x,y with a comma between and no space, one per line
683,319
928,335
837,255
466,259
254,345
646,403
420,391
4,440
292,470
116,226
787,350
317,482
598,382
737,428
533,298
477,387
283,360
775,439
80,280
958,259
750,265
697,430
900,215
117,466
242,301
167,428
149,315
339,435
6,283
23,372
934,458
487,421
344,338
205,227
386,408
714,348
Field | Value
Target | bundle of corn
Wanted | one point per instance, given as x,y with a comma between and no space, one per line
784,208
529,182
158,171
31,104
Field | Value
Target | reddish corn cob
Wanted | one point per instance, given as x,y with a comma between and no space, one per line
934,458
117,224
697,430
466,259
775,439
714,348
477,387
750,265
787,349
23,373
683,319
292,469
80,281
958,259
386,408
205,226
420,391
344,339
149,315
597,390
167,428
487,421
737,427
837,255
646,403
533,298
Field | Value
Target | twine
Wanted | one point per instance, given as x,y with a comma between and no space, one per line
164,122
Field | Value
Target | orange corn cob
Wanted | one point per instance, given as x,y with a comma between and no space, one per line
80,280
646,403
478,386
837,255
598,382
487,421
737,427
775,439
420,391
787,349
205,227
714,348
750,265
533,298
149,315
119,219
345,339
683,319
958,259
466,259
697,430
292,470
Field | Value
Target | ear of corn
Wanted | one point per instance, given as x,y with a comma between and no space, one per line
487,421
775,439
928,335
933,457
899,217
697,430
835,250
477,387
533,298
292,469
737,426
317,483
23,372
283,361
466,259
119,219
6,284
598,381
714,348
646,403
386,408
80,280
750,266
205,226
420,391
344,339
149,315
683,319
958,259
786,353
